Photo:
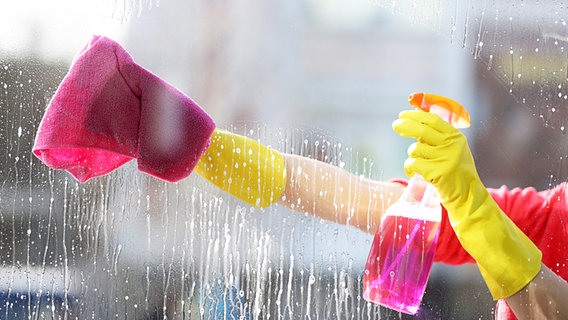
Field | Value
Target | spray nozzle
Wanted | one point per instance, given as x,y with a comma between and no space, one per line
448,109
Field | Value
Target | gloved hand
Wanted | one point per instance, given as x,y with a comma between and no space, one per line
244,168
507,258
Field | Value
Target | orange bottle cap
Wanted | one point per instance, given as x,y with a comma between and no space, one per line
448,109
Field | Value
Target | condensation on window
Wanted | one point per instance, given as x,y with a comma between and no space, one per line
322,79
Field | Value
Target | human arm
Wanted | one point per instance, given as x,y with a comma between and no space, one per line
541,215
506,257
334,194
262,176
543,298
244,168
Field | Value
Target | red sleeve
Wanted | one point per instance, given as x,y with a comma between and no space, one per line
542,216
449,249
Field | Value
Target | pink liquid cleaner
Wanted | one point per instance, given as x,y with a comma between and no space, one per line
402,253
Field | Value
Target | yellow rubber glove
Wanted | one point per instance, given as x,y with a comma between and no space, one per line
244,168
507,258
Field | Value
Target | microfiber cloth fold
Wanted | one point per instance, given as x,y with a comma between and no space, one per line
108,110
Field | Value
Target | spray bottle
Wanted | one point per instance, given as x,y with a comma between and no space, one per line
402,252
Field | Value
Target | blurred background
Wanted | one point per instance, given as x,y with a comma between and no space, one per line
313,77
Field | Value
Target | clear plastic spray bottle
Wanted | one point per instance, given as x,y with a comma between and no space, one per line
402,252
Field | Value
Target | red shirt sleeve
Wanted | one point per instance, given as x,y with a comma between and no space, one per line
542,216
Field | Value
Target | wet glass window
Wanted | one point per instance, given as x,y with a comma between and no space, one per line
319,79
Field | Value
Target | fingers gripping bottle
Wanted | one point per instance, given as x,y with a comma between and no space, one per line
402,252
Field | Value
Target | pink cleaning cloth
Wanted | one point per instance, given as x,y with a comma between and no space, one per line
108,110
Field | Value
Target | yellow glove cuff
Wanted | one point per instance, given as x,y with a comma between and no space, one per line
244,168
507,259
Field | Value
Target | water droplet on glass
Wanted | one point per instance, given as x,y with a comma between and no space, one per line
312,279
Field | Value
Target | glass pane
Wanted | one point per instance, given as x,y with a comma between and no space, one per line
320,79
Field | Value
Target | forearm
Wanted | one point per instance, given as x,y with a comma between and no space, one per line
262,176
545,297
334,194
243,167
